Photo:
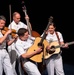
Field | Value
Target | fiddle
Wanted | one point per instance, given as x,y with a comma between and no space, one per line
5,29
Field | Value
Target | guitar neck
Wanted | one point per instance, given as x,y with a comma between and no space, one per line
69,43
29,28
44,35
28,23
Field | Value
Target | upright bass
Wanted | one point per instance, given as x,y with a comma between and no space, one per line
31,32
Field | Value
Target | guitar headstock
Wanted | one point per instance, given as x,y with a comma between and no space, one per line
50,19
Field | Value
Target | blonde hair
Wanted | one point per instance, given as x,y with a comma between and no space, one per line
16,13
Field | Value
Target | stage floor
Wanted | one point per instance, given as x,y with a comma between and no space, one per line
68,69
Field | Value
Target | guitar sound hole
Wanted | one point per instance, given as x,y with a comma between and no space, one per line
52,47
52,50
34,50
40,44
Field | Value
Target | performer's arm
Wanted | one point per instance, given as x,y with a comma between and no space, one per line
5,36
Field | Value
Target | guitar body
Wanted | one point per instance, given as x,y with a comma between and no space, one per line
37,57
57,50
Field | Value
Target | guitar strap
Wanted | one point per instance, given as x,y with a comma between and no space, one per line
58,37
58,40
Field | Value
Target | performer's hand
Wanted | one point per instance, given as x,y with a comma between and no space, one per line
39,50
15,36
9,31
48,47
65,45
27,17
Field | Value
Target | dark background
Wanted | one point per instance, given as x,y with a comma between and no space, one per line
39,12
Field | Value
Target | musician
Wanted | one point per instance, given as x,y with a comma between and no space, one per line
16,24
54,64
24,42
4,56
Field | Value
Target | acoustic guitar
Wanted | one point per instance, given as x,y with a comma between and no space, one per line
40,41
54,49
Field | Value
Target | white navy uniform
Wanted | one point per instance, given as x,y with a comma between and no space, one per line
55,61
22,47
11,48
5,59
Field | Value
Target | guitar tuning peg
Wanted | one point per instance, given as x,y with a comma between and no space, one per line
22,2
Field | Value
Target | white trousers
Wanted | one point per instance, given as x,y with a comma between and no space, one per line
55,65
13,56
5,63
31,68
